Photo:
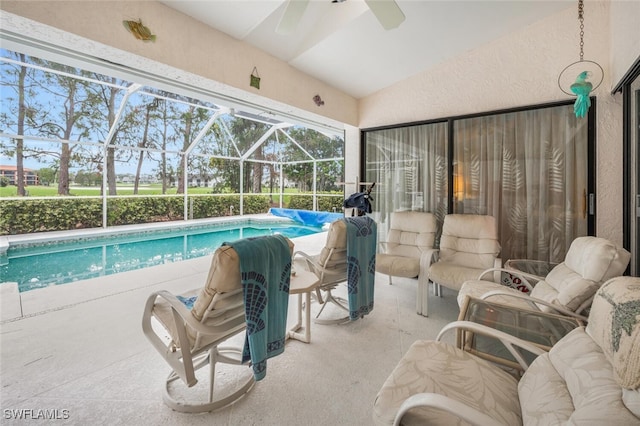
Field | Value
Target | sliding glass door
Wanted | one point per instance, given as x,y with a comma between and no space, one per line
409,166
527,168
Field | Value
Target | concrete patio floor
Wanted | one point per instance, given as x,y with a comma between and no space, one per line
77,352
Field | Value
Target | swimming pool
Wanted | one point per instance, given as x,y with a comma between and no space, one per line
40,265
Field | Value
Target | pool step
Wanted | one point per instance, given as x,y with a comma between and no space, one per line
10,303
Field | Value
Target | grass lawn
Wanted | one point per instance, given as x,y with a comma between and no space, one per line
52,191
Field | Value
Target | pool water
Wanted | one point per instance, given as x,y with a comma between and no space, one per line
53,264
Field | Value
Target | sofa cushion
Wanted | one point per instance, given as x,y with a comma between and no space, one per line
441,368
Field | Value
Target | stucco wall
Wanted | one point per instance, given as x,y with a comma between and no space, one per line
517,70
625,37
185,44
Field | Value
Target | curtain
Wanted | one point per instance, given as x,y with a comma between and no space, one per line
528,170
409,166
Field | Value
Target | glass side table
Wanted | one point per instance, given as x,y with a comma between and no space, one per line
540,328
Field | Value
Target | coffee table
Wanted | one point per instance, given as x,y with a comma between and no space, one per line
540,328
302,283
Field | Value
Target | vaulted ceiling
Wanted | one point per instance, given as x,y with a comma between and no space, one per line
344,45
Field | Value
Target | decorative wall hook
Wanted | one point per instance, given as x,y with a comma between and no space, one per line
255,78
318,100
139,31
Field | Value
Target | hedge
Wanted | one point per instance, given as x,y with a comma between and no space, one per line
29,215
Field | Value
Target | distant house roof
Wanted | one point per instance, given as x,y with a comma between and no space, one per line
14,168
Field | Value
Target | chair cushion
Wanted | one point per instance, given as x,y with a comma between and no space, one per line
596,259
614,324
476,288
336,239
453,275
572,384
441,368
398,266
469,240
589,262
224,276
411,233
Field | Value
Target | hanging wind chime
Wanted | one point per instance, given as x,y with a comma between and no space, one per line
582,77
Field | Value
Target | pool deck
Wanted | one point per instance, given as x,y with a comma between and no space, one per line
78,348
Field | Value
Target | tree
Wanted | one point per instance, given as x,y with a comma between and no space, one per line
47,174
21,112
68,109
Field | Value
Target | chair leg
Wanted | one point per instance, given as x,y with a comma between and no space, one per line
338,301
227,355
422,297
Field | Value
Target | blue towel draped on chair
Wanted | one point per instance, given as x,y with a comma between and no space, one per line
362,237
265,269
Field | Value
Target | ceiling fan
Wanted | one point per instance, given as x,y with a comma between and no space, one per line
386,11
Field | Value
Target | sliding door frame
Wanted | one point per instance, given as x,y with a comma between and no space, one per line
591,149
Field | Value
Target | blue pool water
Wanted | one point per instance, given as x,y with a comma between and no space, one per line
52,264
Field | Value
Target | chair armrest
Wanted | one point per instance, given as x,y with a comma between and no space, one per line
510,342
427,258
325,275
444,403
181,314
534,302
522,275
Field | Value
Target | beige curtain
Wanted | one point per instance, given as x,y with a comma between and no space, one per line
529,170
409,166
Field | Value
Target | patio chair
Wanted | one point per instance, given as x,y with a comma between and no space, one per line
468,246
409,248
569,287
330,266
349,256
592,375
188,330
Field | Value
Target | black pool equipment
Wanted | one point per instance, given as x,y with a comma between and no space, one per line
360,201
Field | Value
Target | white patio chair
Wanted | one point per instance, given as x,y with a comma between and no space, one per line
409,249
330,266
591,375
468,246
569,287
188,332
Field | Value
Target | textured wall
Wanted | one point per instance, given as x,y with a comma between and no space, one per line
517,70
625,37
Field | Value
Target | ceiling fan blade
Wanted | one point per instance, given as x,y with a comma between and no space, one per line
291,16
388,13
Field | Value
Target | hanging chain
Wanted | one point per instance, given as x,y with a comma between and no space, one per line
581,19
